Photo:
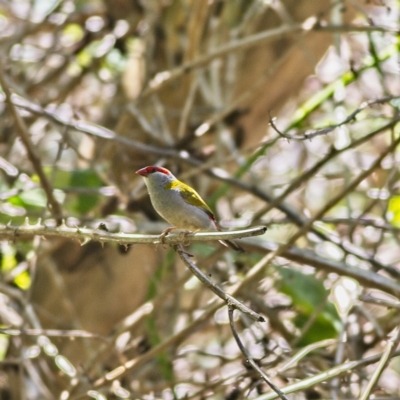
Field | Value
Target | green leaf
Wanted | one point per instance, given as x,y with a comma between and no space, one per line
59,178
33,198
309,295
86,178
81,203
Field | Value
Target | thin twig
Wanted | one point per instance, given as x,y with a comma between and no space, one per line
386,356
330,128
136,363
161,78
231,309
377,223
367,298
230,300
314,380
303,352
54,206
73,333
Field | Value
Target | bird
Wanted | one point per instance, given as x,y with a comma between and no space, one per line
179,204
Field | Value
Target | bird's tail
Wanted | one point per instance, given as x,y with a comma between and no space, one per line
232,245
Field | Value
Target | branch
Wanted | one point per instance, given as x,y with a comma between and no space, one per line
330,128
363,276
68,333
161,78
54,205
314,380
386,356
229,300
367,298
249,359
173,340
85,235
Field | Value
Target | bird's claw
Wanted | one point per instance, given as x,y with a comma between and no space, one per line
165,233
182,235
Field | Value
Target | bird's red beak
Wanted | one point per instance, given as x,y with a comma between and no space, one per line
142,172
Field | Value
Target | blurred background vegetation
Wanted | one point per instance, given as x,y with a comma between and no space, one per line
94,90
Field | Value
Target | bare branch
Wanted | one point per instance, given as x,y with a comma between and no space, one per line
249,360
381,302
386,356
330,128
230,300
9,232
326,376
68,333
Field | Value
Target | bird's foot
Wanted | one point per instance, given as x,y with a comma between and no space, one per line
165,233
183,236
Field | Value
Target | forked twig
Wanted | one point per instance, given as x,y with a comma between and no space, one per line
330,128
249,360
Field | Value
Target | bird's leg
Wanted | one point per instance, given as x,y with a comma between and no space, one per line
165,233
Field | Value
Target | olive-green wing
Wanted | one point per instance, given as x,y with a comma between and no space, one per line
190,196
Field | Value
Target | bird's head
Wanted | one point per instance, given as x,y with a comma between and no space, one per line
156,174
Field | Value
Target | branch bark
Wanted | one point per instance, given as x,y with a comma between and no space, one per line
85,235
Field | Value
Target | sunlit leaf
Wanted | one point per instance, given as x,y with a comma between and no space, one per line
23,280
394,211
8,260
29,199
72,33
4,340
